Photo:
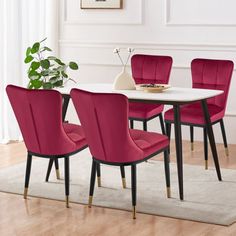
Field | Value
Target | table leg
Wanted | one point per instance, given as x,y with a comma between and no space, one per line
211,138
66,99
178,146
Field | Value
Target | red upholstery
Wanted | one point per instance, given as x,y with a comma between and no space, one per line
148,69
149,142
207,74
104,118
39,115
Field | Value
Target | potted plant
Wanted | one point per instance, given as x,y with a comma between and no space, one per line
46,72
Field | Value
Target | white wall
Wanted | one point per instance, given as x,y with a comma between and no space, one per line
183,29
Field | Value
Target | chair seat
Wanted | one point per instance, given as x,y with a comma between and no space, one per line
76,134
193,114
144,110
149,142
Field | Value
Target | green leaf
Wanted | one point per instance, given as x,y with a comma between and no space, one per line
45,49
36,83
61,68
73,65
58,61
34,75
51,58
35,65
28,51
45,63
47,85
59,83
35,48
28,59
64,74
54,79
45,72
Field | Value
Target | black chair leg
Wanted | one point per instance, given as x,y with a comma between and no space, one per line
67,180
224,137
131,124
191,138
167,173
168,133
99,175
57,168
122,171
27,174
92,182
145,125
205,147
50,163
162,124
134,188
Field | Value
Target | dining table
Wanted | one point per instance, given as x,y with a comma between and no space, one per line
174,96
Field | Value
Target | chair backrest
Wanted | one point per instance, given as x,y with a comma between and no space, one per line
147,69
213,74
39,115
104,118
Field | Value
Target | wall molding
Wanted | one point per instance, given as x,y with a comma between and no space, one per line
151,46
169,22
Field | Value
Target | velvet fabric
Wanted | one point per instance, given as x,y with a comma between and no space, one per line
207,74
147,69
39,115
104,118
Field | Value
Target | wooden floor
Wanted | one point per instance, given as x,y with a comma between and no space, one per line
47,217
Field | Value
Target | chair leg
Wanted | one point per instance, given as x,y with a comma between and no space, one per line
145,125
50,163
205,147
27,174
167,173
191,138
131,124
57,168
134,189
67,180
92,183
99,175
122,171
162,124
168,133
224,137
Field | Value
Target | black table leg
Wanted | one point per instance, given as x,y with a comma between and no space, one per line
211,138
66,99
178,146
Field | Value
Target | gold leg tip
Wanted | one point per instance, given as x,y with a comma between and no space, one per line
67,201
227,152
58,174
168,192
123,182
99,182
192,146
90,201
134,213
206,165
25,193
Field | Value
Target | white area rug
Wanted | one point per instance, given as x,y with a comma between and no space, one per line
206,199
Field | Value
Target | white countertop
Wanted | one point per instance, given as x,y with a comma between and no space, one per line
173,94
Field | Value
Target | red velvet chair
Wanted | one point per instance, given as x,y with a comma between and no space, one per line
206,74
104,118
38,113
149,69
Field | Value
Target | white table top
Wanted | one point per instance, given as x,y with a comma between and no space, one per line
171,95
